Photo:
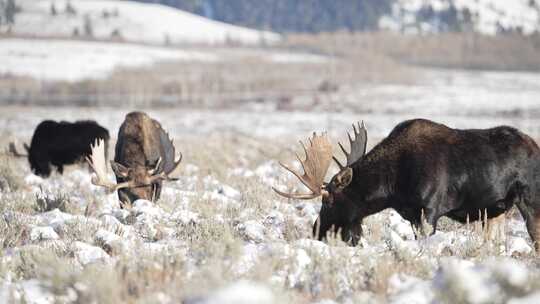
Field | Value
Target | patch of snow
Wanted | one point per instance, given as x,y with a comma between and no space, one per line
68,60
43,233
252,230
185,217
296,58
461,280
87,254
28,291
402,227
53,218
405,289
242,292
517,245
533,298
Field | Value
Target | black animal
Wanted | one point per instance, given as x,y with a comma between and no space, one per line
61,143
144,157
427,168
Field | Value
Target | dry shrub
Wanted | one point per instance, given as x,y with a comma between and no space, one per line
448,50
10,176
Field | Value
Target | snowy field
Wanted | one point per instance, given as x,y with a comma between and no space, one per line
78,60
220,234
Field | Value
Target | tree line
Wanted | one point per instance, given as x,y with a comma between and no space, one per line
290,15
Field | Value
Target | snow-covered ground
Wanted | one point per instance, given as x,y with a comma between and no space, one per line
488,16
460,99
129,21
235,228
220,235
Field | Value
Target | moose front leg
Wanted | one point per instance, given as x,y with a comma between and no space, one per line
355,233
424,222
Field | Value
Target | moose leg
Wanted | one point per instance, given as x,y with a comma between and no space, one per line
355,233
424,222
428,221
532,218
532,221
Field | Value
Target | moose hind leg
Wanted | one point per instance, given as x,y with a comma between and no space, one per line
532,221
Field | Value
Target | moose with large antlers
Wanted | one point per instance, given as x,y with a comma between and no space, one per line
145,156
427,168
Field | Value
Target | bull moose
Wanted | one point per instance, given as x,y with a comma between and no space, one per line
423,167
60,143
144,157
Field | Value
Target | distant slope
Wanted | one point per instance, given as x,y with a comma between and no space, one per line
484,16
410,16
290,15
128,21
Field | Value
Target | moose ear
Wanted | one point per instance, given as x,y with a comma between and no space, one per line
119,170
344,178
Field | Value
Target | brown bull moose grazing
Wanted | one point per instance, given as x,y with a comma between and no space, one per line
424,167
144,157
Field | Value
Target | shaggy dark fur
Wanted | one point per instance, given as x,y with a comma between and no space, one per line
141,142
62,143
426,167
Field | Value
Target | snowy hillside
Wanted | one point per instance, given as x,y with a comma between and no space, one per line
127,21
483,16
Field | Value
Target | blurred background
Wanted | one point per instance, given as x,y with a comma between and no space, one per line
271,67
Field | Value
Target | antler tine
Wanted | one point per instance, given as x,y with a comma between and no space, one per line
12,149
315,165
343,149
299,176
172,174
96,160
338,163
358,144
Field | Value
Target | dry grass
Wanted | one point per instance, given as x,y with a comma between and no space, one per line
353,59
448,50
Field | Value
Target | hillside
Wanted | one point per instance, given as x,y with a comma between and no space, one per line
127,21
483,16
410,16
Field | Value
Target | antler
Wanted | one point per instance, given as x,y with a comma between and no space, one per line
358,145
171,175
97,162
316,164
168,167
12,149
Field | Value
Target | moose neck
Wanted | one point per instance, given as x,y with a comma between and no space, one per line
373,175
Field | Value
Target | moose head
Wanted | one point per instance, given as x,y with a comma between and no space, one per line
145,157
338,212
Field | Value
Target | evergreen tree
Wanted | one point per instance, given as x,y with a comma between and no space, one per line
53,9
9,11
88,28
